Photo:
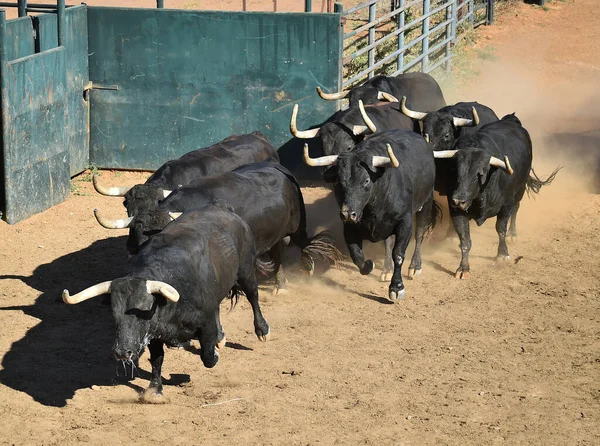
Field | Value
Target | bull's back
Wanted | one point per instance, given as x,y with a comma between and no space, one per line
421,90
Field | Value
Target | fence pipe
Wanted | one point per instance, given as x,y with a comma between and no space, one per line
471,11
60,11
22,8
338,8
307,5
3,98
372,13
425,45
160,4
451,18
490,12
401,17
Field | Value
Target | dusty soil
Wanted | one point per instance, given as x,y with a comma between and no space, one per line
511,355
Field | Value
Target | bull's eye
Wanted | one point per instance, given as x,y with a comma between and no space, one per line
366,183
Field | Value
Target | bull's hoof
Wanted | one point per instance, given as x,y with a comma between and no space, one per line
152,396
210,362
278,290
264,337
386,276
502,260
412,273
180,345
310,267
460,274
396,295
367,268
221,343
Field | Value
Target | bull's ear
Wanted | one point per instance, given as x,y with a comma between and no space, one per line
330,174
482,175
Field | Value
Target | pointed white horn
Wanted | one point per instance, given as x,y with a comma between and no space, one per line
332,96
88,293
382,161
304,134
475,116
411,113
166,193
504,165
175,215
359,129
426,136
113,224
119,191
321,161
365,117
444,153
382,95
156,286
462,122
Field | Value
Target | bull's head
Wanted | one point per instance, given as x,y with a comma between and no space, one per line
356,172
137,198
473,169
134,302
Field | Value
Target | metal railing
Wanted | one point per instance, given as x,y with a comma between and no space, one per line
406,35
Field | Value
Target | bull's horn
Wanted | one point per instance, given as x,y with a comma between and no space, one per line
175,215
88,293
504,165
386,96
411,113
321,161
444,153
304,134
119,191
359,129
382,161
475,116
113,224
332,96
365,117
426,136
156,286
166,193
462,122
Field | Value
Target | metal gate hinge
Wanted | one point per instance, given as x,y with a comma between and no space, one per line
92,86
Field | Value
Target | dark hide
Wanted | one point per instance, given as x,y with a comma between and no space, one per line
481,191
203,255
421,90
266,195
377,203
224,156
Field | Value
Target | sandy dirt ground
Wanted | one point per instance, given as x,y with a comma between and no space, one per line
511,356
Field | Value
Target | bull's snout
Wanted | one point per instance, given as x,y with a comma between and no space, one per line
462,204
126,355
348,215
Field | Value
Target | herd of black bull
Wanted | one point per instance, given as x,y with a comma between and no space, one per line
200,224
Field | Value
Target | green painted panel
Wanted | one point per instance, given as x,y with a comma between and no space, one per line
35,158
46,28
189,78
19,38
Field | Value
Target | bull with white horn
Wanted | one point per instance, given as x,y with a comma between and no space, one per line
173,289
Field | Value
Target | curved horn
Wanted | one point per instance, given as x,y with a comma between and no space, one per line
444,153
332,96
166,193
504,165
382,161
426,136
386,96
175,215
475,116
321,161
156,286
305,134
119,191
462,122
113,224
410,113
88,293
365,117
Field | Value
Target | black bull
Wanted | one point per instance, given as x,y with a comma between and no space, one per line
491,174
381,184
173,288
266,195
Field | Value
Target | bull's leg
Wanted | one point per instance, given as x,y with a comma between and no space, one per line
422,220
513,221
388,264
208,335
280,279
501,224
157,354
461,224
354,242
402,231
221,338
249,286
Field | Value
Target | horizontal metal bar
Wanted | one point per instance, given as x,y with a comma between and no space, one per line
431,50
41,9
391,14
358,7
438,63
32,5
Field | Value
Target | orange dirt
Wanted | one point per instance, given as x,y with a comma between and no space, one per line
510,355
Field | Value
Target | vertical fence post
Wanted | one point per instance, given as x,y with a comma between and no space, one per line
338,8
449,26
425,41
3,107
61,22
490,12
372,13
22,8
307,5
401,18
471,11
160,4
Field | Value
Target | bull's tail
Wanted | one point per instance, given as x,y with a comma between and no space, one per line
436,215
534,183
234,296
321,246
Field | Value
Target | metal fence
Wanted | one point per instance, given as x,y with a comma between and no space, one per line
394,36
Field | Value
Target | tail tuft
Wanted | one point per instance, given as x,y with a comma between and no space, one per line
321,246
234,296
534,183
436,215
